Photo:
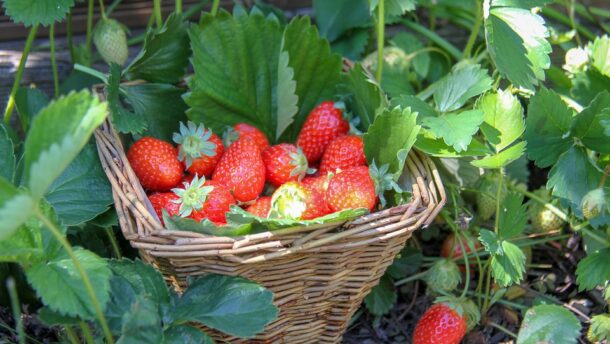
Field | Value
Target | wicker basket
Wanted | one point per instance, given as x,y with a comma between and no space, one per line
319,274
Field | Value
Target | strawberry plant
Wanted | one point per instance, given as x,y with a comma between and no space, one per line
244,122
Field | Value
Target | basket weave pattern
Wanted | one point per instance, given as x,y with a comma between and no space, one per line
319,274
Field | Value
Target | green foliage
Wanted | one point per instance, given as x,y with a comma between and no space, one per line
456,129
507,259
587,125
367,98
32,12
599,330
513,215
463,83
382,297
123,120
593,270
600,59
15,207
141,324
143,278
335,17
8,161
29,102
185,335
550,324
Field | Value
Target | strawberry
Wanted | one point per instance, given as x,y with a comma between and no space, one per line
241,170
343,152
486,197
443,276
323,124
198,148
284,162
350,189
318,183
260,207
594,203
240,130
452,249
297,201
164,200
542,218
217,203
440,324
155,163
111,41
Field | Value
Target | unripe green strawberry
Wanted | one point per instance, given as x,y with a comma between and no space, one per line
486,197
543,219
111,41
443,276
593,204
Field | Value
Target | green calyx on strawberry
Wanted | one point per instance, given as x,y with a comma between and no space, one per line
443,276
594,203
192,196
195,142
110,40
383,181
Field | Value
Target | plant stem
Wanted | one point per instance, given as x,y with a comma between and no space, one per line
570,8
487,290
540,200
595,237
86,332
432,36
498,201
91,71
178,6
53,59
69,36
380,38
79,268
411,278
72,337
8,112
103,10
89,35
503,302
157,11
502,328
113,242
475,30
560,17
215,6
112,6
12,291
466,265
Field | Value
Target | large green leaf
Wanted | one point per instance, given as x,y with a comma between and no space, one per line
516,41
233,305
548,324
428,143
15,208
513,215
593,270
164,56
60,287
31,12
142,324
382,297
287,100
573,176
454,90
503,118
185,335
600,54
317,71
503,158
24,245
29,101
508,264
390,138
416,104
352,46
7,156
587,85
587,125
394,8
57,135
335,17
456,129
82,191
366,97
547,129
122,296
124,121
143,278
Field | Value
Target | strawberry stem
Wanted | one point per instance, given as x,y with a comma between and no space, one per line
53,59
103,10
498,201
89,35
215,6
502,328
475,30
157,12
178,6
380,38
12,292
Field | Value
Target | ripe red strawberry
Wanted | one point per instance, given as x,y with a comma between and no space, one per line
164,200
296,201
260,207
342,153
441,324
240,130
323,124
155,163
241,170
319,183
351,189
452,249
284,162
217,203
198,148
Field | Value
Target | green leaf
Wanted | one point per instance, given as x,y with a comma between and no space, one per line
164,56
390,138
52,318
7,156
352,46
233,305
15,208
600,54
428,143
503,158
236,64
142,277
24,245
336,17
587,125
31,12
521,3
68,295
416,104
513,215
454,90
141,324
82,191
382,297
286,97
317,71
593,270
122,296
516,41
366,96
185,335
547,129
179,223
599,330
407,262
587,85
548,324
395,80
410,44
57,135
503,118
124,121
490,241
29,101
456,129
508,264
573,176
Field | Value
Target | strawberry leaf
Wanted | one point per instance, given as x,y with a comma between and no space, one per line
123,120
490,241
29,102
593,270
503,158
516,41
352,46
428,143
513,215
31,12
141,323
422,108
508,264
286,98
599,330
25,245
8,161
521,3
390,138
184,334
586,86
548,324
410,44
547,129
382,297
365,97
600,54
336,17
587,125
454,90
455,129
164,56
503,118
143,278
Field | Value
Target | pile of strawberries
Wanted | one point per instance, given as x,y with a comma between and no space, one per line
323,173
